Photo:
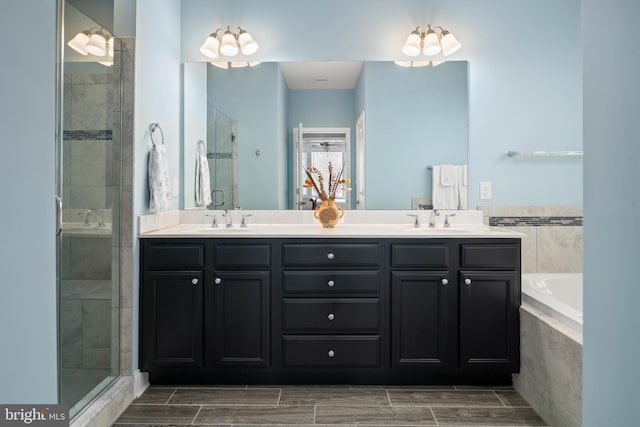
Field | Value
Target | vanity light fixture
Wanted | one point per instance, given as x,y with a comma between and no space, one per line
430,42
417,64
235,64
97,42
229,44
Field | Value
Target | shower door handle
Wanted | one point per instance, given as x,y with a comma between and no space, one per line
58,215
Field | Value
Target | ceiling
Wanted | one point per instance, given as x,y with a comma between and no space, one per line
321,75
100,11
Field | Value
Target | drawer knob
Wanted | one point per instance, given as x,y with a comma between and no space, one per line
331,316
331,353
331,283
217,281
467,281
330,255
445,282
194,281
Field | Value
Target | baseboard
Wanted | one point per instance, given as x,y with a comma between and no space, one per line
140,382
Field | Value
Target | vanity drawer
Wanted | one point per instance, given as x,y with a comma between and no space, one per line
242,255
331,315
489,256
169,256
334,351
358,255
424,256
331,282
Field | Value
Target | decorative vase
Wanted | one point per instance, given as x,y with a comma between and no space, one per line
328,213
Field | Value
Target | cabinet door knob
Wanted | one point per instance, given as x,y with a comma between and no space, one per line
194,281
445,282
330,255
217,281
331,316
331,353
331,283
467,281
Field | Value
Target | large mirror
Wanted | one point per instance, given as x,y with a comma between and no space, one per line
400,122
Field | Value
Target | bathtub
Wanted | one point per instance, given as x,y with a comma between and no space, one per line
550,376
558,295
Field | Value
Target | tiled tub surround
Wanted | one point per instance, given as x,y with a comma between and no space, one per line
554,235
332,405
550,376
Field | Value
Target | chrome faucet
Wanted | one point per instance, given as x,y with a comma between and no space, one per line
432,218
228,220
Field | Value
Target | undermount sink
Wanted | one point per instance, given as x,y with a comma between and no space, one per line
224,230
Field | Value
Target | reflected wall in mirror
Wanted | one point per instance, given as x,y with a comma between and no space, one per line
415,118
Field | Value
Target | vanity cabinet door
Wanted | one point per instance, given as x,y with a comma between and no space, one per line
241,326
172,319
489,321
422,312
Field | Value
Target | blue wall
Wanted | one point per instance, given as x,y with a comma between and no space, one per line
253,96
414,118
612,199
28,361
525,92
157,99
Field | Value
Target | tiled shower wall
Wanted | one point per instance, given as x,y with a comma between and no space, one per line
554,235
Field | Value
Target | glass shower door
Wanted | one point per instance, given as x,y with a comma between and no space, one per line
222,154
88,175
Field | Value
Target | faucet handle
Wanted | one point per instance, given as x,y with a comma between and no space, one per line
446,219
214,220
243,222
417,221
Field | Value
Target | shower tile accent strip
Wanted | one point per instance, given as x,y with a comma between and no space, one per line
535,221
77,135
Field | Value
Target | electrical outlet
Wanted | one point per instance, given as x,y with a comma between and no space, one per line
485,190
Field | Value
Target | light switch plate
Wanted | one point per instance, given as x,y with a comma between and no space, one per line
175,188
485,190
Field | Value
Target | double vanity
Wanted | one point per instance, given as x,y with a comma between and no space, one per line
362,303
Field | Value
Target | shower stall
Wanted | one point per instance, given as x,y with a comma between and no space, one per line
88,167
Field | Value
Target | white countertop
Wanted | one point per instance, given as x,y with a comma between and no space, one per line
341,230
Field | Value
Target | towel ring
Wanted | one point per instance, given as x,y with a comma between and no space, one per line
152,128
202,150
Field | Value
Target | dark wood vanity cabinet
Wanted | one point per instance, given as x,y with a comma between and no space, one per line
172,301
332,306
329,310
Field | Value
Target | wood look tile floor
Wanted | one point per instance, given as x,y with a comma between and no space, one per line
329,405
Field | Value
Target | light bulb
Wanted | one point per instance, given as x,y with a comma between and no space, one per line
449,43
431,43
228,46
417,64
97,45
248,45
220,64
79,43
412,45
239,64
210,46
405,64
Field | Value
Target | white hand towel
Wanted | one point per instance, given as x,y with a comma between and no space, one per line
443,197
159,183
203,179
465,181
447,175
